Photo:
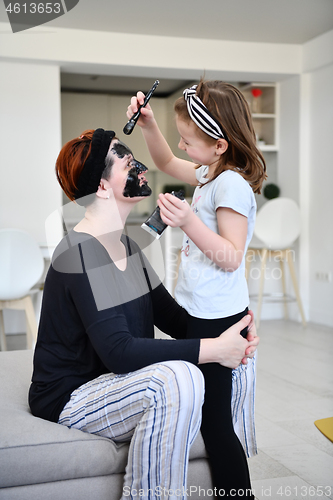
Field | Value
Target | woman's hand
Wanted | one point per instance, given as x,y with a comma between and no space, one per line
146,115
174,212
251,335
230,349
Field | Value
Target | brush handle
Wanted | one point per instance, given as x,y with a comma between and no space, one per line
128,129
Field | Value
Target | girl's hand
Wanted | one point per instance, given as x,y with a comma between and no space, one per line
146,115
174,212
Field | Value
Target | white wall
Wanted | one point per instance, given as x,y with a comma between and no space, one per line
113,53
316,177
321,195
288,157
30,140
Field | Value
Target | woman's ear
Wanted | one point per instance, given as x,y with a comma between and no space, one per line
221,146
102,191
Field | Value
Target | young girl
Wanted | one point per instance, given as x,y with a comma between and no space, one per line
216,131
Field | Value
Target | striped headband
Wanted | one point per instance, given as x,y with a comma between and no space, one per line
201,116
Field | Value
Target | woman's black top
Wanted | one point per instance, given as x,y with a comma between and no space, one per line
97,319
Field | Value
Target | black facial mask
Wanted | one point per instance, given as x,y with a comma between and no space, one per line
120,149
132,186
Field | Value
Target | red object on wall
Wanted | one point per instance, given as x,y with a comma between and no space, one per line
256,92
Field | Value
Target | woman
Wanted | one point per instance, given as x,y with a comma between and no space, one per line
97,366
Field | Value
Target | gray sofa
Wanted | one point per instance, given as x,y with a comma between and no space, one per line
40,460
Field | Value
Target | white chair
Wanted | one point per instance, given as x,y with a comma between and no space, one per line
277,227
21,267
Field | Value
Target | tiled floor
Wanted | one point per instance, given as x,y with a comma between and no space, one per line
294,388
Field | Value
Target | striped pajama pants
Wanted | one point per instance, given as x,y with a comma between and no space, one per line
242,405
157,409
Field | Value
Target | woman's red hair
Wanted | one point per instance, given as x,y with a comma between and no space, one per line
71,160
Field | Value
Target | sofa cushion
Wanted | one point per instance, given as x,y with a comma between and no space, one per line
33,450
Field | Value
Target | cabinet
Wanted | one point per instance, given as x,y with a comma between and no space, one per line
263,102
81,111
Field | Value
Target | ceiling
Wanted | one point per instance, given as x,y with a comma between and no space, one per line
270,21
73,82
275,21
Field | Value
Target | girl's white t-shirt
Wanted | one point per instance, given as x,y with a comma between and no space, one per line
204,289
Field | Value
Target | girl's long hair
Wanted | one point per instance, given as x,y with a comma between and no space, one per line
228,105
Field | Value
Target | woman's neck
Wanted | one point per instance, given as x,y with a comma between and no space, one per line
104,217
106,222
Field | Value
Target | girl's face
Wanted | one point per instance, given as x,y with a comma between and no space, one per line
198,150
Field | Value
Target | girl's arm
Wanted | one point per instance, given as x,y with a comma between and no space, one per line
225,249
159,149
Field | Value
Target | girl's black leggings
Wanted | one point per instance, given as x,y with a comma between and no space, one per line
227,458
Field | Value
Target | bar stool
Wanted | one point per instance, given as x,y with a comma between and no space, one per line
277,227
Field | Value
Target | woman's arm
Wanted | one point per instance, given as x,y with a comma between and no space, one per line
159,149
229,349
169,316
226,248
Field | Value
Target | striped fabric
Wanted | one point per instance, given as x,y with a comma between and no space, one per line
242,405
202,116
158,408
